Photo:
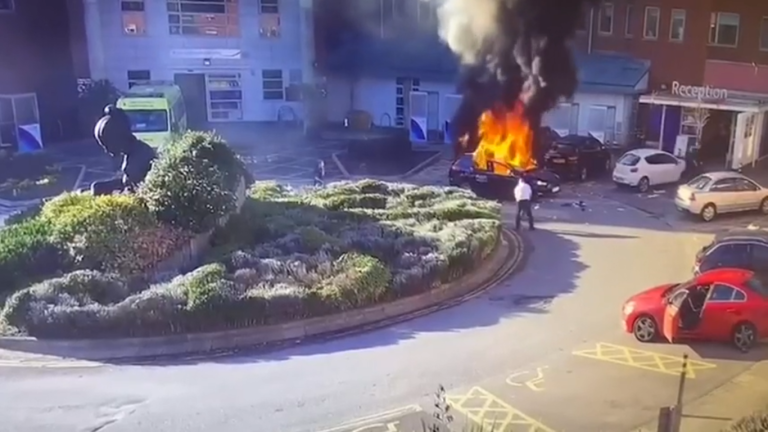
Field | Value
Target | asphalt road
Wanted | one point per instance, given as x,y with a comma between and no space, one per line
544,349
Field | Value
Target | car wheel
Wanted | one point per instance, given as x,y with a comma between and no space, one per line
583,174
744,336
764,206
645,329
708,212
644,185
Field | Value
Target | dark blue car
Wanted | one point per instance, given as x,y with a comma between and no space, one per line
464,173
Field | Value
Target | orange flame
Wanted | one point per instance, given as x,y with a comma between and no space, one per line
505,141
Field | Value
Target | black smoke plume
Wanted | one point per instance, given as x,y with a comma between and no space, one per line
511,50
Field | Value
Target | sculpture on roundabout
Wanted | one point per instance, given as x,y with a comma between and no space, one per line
113,133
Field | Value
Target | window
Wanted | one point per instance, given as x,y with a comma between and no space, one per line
764,34
134,18
272,84
148,120
721,293
700,183
759,284
629,159
295,76
760,258
605,25
138,77
269,6
6,6
225,96
745,185
725,185
269,18
665,159
203,18
737,255
628,20
677,25
651,23
724,29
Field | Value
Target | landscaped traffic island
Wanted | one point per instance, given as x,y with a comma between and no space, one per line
194,250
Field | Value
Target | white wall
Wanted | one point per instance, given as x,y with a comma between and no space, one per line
122,52
620,102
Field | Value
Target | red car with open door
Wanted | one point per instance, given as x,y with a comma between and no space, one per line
722,305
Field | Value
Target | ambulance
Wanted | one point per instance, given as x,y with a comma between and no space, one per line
156,111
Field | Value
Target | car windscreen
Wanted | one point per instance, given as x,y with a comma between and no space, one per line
143,121
629,159
464,163
700,182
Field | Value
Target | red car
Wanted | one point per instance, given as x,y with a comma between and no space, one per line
722,305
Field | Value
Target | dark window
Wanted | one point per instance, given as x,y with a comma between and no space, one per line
225,95
760,258
125,6
701,182
656,159
203,8
745,185
275,74
724,185
667,159
721,293
739,295
629,159
269,6
139,75
736,255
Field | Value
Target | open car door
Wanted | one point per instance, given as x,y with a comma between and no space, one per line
671,324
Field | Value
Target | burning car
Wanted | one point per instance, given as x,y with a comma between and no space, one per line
464,174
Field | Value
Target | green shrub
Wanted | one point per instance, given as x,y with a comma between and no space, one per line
206,287
193,183
28,253
115,233
360,280
756,422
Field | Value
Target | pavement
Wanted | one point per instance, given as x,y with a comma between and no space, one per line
517,356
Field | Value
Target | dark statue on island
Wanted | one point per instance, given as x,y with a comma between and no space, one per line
114,135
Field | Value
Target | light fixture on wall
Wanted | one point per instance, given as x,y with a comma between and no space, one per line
206,62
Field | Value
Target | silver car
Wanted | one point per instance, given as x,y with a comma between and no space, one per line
721,192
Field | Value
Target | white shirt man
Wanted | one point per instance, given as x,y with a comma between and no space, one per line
523,193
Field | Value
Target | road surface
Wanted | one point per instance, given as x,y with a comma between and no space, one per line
544,349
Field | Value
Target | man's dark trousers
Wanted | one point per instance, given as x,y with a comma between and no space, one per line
524,208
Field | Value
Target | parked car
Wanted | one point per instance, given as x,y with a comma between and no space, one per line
578,156
643,168
723,305
714,193
464,173
746,249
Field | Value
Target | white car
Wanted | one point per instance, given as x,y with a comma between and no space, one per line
643,168
721,192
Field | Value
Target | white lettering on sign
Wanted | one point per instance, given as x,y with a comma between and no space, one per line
698,92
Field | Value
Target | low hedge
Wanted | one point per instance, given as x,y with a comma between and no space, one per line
286,256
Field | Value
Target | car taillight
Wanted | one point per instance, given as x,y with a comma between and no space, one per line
633,170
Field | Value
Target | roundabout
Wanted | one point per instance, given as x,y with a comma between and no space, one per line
543,350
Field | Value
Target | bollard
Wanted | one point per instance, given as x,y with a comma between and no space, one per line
677,411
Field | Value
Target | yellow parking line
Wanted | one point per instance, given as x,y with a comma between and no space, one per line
647,360
490,412
375,417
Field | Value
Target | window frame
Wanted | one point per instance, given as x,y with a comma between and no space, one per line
600,17
628,13
732,299
671,25
231,27
763,34
132,80
649,9
716,22
265,78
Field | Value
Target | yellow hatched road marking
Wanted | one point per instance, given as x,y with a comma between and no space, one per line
648,360
489,411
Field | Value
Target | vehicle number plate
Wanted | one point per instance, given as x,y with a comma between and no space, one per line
481,179
558,160
556,189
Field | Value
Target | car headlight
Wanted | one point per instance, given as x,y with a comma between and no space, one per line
629,307
540,183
